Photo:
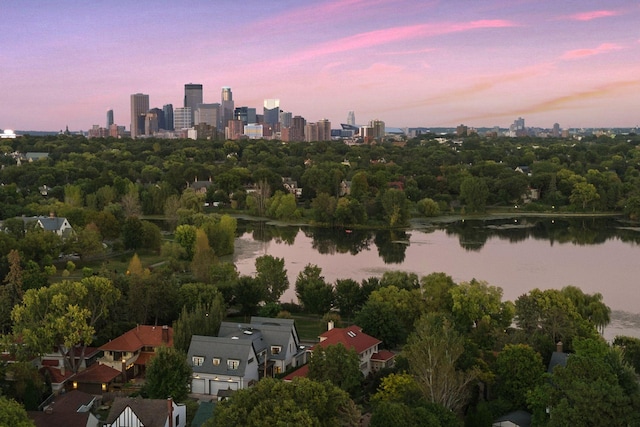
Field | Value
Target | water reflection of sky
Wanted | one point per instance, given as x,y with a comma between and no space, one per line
611,268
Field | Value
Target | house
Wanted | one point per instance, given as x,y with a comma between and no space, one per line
72,409
200,187
281,340
558,358
131,351
96,379
52,223
365,345
292,187
137,412
352,337
221,363
513,419
54,367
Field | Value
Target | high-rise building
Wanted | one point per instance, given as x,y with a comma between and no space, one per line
285,119
324,130
351,118
109,118
378,129
182,118
296,132
162,124
192,97
208,114
234,129
150,123
272,111
139,108
168,116
226,103
246,114
311,132
253,131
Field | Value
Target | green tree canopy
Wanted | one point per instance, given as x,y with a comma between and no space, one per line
168,375
337,364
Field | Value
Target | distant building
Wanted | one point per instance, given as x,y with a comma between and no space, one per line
297,124
139,108
109,118
208,114
168,116
253,131
311,132
378,129
192,97
234,129
227,107
245,114
285,119
351,118
461,130
271,111
182,118
324,130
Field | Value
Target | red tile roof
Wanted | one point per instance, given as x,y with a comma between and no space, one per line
383,355
138,337
97,374
350,337
56,374
300,372
143,358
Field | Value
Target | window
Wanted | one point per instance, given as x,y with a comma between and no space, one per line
197,360
275,349
216,361
250,361
233,364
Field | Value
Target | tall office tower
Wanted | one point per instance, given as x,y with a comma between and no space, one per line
192,97
234,129
182,118
324,130
378,128
555,132
246,114
168,116
208,114
285,119
162,124
150,123
109,118
351,118
311,132
139,108
296,133
272,111
227,107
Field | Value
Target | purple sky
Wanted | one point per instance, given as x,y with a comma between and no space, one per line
409,63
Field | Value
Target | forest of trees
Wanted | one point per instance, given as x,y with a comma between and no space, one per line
464,354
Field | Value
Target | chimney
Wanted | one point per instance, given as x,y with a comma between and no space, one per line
52,215
559,347
170,411
165,334
330,325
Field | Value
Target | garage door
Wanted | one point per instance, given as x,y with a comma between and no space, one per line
215,386
197,386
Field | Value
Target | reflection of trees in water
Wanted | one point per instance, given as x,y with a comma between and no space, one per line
392,245
337,240
261,231
473,234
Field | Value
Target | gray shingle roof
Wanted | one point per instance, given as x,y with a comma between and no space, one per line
274,332
222,348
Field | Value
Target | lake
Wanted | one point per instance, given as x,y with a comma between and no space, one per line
516,254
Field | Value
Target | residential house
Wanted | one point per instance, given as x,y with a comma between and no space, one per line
96,379
280,338
221,363
200,187
54,366
131,351
365,345
137,412
72,409
513,419
292,187
52,223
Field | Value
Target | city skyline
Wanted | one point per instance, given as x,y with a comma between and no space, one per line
408,63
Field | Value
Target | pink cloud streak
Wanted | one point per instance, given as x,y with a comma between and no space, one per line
583,53
594,14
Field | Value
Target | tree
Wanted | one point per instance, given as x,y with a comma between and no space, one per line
379,319
248,293
132,233
474,192
396,207
168,375
518,370
300,402
584,194
185,236
199,320
88,241
13,414
337,364
270,272
349,296
432,351
135,267
11,291
203,257
313,292
428,207
596,388
477,301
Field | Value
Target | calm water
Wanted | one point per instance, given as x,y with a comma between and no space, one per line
514,254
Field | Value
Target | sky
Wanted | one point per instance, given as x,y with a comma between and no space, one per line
408,63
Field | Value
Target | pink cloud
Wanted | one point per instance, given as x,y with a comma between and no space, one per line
583,53
594,14
394,34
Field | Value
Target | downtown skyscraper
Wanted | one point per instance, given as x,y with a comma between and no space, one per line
227,107
192,97
139,108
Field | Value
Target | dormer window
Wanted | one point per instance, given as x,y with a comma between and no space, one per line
197,360
276,349
216,361
233,364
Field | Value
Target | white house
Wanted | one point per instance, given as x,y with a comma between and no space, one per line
138,412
